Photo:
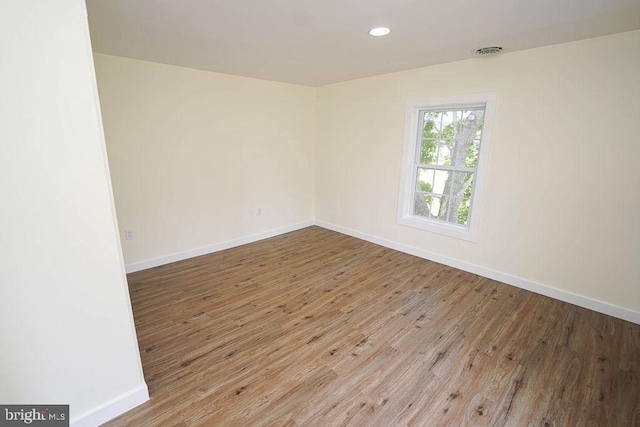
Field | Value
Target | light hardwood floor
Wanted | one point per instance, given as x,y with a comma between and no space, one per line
314,328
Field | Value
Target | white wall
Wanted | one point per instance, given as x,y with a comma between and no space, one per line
562,199
65,318
194,154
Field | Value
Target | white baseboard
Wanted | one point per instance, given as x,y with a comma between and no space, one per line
112,409
539,288
559,294
143,265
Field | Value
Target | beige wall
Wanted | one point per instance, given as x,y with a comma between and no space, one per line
562,196
195,154
66,329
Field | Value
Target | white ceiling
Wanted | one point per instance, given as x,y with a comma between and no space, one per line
317,42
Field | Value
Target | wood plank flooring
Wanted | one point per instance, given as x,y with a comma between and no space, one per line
314,328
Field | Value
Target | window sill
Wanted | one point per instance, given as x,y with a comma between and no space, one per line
451,230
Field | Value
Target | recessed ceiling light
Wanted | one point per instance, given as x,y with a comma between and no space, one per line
379,31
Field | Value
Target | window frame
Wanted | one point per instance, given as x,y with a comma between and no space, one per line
410,163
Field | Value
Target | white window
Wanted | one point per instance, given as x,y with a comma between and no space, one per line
446,149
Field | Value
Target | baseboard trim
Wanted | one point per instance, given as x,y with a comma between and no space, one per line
112,409
155,262
539,288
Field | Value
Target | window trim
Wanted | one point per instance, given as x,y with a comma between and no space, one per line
412,135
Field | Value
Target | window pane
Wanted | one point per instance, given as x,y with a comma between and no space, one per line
421,204
465,135
461,184
454,186
425,180
428,151
430,132
434,205
443,209
471,160
451,138
443,163
433,123
440,180
447,141
444,153
454,210
431,206
463,212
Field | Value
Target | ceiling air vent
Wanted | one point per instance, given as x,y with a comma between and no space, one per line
488,51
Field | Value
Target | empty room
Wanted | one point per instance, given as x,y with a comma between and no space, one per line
371,213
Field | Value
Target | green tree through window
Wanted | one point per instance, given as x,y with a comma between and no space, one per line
444,163
449,151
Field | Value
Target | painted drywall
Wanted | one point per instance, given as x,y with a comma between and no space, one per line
561,199
200,158
66,325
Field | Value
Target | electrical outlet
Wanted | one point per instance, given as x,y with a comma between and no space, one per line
259,211
128,234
